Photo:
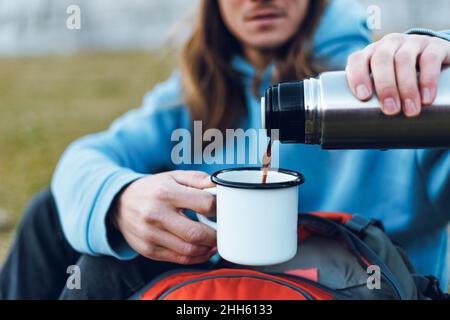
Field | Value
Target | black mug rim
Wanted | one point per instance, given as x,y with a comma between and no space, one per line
299,179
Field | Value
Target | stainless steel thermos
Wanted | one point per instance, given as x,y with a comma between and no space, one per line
323,111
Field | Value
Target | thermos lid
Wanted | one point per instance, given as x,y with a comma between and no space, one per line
285,111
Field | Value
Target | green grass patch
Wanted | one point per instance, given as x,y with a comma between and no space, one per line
47,102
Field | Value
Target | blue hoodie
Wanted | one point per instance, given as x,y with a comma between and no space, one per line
408,190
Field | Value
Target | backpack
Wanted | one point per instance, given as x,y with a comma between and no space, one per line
340,257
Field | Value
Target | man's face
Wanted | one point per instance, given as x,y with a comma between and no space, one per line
263,24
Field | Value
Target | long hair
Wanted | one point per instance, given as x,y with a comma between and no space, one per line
212,89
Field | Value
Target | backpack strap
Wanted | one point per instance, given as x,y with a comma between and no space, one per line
430,288
358,224
315,223
354,222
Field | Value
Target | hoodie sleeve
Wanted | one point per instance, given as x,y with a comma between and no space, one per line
342,31
445,34
435,170
94,169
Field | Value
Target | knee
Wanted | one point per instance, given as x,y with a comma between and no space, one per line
103,278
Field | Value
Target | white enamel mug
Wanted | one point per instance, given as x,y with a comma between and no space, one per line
256,223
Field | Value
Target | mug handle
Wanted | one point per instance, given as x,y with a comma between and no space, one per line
202,218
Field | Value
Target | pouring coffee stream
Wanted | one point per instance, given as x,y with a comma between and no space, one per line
266,162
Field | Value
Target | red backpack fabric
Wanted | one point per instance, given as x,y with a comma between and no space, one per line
233,284
335,252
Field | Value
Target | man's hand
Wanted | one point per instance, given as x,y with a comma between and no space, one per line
392,62
149,216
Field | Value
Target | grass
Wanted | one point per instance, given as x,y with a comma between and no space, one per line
47,102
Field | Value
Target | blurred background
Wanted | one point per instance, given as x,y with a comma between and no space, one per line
57,84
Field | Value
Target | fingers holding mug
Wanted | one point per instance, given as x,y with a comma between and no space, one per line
190,231
200,201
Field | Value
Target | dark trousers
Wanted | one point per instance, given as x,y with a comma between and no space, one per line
37,265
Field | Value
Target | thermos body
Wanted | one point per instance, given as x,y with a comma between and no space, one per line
324,111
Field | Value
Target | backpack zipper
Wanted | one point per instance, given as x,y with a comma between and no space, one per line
305,294
334,293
